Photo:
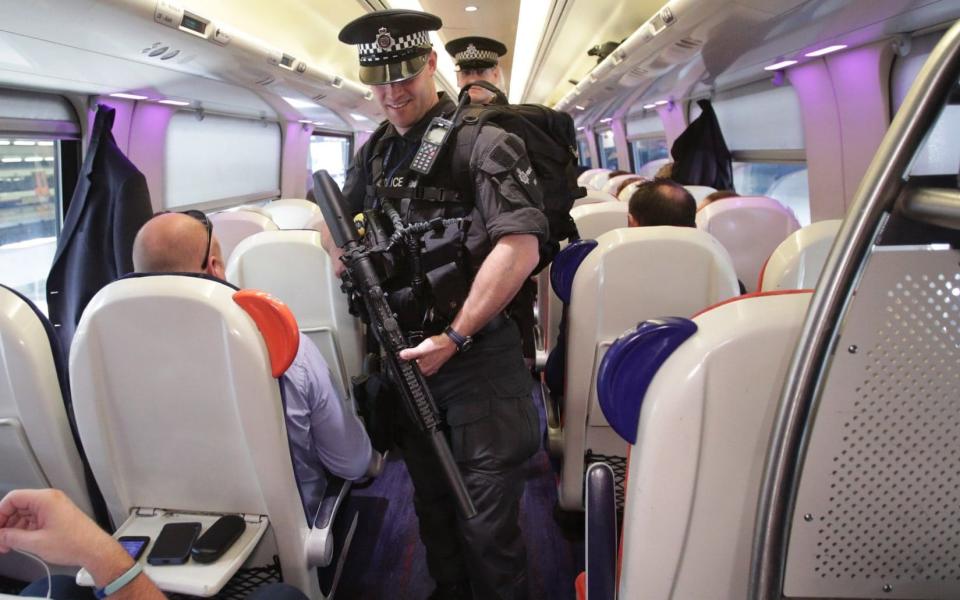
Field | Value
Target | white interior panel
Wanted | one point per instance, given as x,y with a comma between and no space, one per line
219,158
758,116
645,126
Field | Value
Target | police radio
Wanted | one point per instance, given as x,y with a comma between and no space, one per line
433,140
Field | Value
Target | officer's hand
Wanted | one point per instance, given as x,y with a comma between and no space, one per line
431,353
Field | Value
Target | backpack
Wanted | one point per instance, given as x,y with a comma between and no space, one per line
551,141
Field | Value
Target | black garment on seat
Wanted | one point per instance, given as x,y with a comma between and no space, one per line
700,155
109,205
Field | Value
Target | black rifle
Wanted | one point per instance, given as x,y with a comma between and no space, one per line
362,278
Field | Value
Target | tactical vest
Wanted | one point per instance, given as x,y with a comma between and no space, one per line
427,279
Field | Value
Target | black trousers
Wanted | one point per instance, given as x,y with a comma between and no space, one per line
492,426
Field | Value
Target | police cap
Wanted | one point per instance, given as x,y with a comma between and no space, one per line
394,45
475,52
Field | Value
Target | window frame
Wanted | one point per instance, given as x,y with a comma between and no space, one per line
645,136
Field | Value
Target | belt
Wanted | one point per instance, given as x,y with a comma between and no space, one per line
494,324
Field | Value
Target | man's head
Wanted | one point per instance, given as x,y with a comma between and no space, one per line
477,59
717,195
661,202
397,61
178,243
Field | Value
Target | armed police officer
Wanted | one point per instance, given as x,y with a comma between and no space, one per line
469,351
477,58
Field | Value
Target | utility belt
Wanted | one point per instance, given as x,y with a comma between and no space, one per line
493,325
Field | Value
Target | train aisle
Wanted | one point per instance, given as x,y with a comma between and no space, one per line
387,560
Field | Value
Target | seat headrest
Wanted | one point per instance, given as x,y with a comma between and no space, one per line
565,266
628,368
277,325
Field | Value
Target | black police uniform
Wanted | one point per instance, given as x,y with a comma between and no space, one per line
484,393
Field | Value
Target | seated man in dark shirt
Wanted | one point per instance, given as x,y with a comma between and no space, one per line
657,202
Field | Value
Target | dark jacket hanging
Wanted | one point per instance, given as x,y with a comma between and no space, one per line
700,155
109,205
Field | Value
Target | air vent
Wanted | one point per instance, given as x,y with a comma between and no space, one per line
689,43
266,80
160,51
319,97
638,71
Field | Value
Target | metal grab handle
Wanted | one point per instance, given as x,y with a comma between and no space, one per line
880,187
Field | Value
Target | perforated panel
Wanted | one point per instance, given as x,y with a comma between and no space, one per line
878,513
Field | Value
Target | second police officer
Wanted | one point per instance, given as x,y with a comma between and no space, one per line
471,354
477,58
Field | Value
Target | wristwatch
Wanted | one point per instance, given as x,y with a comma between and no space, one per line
463,342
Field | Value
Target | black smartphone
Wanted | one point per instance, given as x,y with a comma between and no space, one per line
174,543
218,538
134,544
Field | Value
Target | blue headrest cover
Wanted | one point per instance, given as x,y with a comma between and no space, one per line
565,265
628,368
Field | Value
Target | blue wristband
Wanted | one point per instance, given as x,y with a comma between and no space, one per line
118,583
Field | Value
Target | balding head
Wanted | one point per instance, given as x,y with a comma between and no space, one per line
661,202
175,243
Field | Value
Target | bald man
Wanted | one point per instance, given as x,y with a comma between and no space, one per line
324,436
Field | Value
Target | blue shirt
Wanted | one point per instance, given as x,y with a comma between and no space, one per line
325,436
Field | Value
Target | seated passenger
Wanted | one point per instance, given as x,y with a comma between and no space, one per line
717,195
653,203
323,435
665,172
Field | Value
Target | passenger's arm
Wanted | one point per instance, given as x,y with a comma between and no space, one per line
498,281
48,524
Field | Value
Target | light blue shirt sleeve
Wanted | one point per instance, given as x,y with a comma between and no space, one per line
324,434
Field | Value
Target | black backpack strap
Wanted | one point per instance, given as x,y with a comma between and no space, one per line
466,129
501,98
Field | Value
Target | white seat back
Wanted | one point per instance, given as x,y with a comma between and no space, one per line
178,408
798,260
599,179
695,472
234,226
615,184
750,228
291,213
649,170
294,267
699,192
593,197
37,447
584,179
632,275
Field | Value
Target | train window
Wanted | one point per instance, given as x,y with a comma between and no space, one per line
608,150
940,153
644,150
220,160
759,116
784,181
330,152
583,149
39,160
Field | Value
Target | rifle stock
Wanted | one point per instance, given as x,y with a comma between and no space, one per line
366,282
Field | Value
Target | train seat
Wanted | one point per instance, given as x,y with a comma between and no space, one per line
615,184
37,445
233,226
619,283
584,179
649,170
291,213
593,197
798,260
750,228
293,266
600,179
699,192
699,429
629,189
177,400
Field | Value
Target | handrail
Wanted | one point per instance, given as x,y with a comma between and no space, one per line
875,197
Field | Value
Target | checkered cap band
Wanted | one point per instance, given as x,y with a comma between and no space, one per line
374,51
471,53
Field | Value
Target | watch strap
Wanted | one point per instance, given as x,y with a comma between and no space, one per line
458,339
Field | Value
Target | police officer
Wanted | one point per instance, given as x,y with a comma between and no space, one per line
477,59
470,354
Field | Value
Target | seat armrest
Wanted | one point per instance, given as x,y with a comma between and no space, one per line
319,544
601,532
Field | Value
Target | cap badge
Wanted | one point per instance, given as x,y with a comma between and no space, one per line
384,39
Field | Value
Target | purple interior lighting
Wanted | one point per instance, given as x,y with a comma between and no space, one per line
827,50
780,65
